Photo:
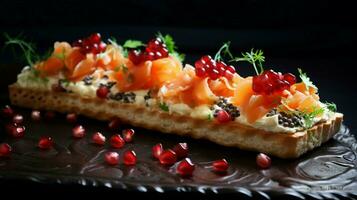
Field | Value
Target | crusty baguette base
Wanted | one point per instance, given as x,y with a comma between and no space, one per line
232,134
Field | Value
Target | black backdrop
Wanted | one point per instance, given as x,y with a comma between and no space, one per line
318,36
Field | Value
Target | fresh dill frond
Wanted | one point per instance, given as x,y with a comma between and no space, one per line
310,116
223,50
256,58
28,49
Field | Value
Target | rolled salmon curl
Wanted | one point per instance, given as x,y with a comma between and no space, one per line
199,93
83,68
112,58
243,91
165,70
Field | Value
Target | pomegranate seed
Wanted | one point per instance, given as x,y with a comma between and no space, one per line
15,131
116,141
129,158
78,131
114,124
214,74
7,111
223,116
98,138
112,158
18,119
200,72
36,115
95,38
135,56
185,168
263,161
71,117
206,59
50,115
157,150
181,150
290,78
220,165
167,157
102,46
102,92
45,142
5,150
150,56
231,68
128,134
228,75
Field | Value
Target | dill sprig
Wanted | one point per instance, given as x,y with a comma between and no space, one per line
331,106
256,58
310,116
28,49
223,50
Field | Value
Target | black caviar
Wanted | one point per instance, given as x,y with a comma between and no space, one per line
232,110
287,119
126,97
88,80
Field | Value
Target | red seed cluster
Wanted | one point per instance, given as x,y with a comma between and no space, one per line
270,82
155,49
92,44
208,67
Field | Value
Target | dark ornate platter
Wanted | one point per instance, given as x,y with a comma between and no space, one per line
327,172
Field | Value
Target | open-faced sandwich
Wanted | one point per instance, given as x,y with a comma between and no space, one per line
147,85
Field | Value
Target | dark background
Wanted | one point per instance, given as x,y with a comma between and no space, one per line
318,36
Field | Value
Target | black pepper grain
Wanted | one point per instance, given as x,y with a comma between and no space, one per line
228,107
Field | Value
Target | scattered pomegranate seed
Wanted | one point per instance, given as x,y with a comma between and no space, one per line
18,119
98,138
157,150
78,131
112,158
129,157
36,115
167,157
45,142
7,111
102,92
15,130
128,134
181,150
71,117
116,141
50,115
185,168
223,116
220,165
263,161
5,150
114,124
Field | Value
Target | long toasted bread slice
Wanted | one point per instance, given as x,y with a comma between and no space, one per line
232,134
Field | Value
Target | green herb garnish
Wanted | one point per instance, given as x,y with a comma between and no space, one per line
209,116
306,80
309,117
331,106
225,50
164,107
171,46
256,58
27,48
133,44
